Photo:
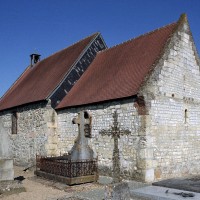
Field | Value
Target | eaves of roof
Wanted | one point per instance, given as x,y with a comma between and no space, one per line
119,72
38,82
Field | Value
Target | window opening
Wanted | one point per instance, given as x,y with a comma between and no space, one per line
186,116
14,123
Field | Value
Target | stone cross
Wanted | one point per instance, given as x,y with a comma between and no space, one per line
115,132
81,149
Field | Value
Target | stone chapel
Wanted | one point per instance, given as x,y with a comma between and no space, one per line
151,81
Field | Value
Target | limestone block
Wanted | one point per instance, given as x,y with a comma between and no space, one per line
6,169
51,146
146,163
4,142
157,174
149,175
146,153
6,164
141,164
117,191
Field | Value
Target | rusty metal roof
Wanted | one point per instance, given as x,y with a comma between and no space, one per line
39,81
118,72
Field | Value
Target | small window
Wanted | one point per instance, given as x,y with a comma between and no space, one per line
186,116
14,123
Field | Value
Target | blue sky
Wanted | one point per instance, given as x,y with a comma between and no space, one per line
46,26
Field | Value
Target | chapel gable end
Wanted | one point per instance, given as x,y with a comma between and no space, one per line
176,74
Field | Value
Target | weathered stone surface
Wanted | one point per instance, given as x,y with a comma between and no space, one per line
189,183
81,149
36,132
164,140
118,191
6,169
102,118
164,121
10,187
6,163
174,111
4,143
163,193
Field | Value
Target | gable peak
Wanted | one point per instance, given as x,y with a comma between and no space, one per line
182,22
183,18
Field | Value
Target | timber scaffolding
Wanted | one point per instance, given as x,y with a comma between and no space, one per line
67,171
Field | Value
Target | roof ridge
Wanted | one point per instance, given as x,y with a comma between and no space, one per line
137,37
68,46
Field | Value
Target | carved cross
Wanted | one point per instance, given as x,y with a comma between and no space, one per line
81,149
115,132
83,121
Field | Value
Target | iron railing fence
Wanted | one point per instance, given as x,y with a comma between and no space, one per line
61,166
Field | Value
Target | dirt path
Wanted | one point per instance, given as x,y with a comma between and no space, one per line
41,189
34,190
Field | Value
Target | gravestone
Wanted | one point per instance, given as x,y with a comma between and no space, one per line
6,163
81,150
80,165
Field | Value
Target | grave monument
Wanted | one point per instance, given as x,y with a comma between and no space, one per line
6,162
115,132
80,165
117,190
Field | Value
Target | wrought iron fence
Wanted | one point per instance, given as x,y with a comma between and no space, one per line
61,166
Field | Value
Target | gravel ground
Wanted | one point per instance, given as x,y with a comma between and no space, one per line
34,190
41,189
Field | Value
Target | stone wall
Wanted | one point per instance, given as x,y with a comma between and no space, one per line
102,118
36,132
173,99
164,120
